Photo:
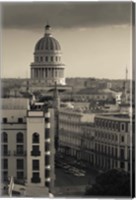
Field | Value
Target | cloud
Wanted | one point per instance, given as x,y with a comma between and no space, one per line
65,14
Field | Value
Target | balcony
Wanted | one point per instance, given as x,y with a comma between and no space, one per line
6,153
19,153
35,153
35,180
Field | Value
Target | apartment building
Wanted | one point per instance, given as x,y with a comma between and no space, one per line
28,145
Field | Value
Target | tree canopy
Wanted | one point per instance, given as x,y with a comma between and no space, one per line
111,183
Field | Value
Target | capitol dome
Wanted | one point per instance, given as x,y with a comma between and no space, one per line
47,65
47,43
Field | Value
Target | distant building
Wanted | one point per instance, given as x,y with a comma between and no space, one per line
113,135
99,140
28,145
73,133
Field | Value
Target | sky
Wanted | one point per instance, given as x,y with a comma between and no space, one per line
95,37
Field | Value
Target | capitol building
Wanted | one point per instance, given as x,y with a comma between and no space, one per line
47,66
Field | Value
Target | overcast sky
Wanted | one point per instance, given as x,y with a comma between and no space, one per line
95,37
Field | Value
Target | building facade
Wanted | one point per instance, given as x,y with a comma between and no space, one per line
113,137
75,138
28,145
103,142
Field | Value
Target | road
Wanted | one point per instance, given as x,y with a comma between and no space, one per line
70,185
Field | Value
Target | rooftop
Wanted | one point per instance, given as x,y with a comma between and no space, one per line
14,103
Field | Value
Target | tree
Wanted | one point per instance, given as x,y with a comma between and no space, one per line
111,183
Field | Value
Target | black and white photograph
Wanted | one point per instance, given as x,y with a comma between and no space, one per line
67,99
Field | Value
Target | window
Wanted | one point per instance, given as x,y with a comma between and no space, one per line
56,58
105,149
35,164
5,163
36,178
109,150
52,58
47,133
20,138
47,146
122,138
47,160
20,148
116,137
20,164
112,151
20,120
122,153
122,165
35,138
35,151
47,184
35,148
116,152
47,173
47,119
46,58
4,120
41,58
20,175
5,149
5,176
4,137
122,127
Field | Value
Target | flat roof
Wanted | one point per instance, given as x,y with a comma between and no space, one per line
14,103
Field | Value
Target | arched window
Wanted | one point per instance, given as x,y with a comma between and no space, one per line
4,137
20,138
35,138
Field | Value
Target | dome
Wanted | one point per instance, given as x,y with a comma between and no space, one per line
47,43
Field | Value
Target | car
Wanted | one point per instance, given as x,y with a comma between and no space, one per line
81,174
76,174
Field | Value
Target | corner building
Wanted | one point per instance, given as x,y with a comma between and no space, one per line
28,145
47,66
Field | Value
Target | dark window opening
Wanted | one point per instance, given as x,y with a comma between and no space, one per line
20,164
47,133
4,120
122,153
52,58
35,138
47,173
47,159
4,137
20,138
20,175
35,150
35,164
5,163
35,178
5,176
47,120
47,146
122,138
46,58
20,120
122,165
47,184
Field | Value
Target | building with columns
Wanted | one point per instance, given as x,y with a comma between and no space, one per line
47,66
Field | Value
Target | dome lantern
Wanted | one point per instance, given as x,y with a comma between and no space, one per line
47,30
